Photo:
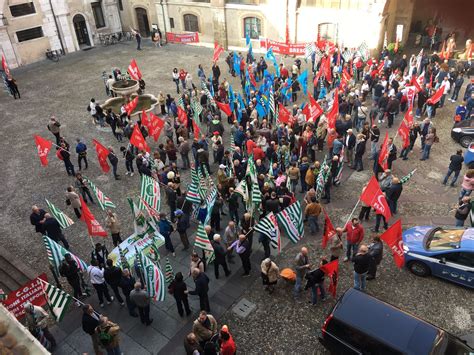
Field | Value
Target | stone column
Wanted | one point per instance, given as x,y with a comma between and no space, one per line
161,8
219,22
6,45
111,11
61,11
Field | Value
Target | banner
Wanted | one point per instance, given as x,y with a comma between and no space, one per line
31,292
182,37
284,48
148,243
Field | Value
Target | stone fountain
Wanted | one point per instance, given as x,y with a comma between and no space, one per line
127,91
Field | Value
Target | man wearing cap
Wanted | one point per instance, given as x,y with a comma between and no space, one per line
37,317
220,256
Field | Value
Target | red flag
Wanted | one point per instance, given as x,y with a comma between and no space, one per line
312,110
129,107
383,155
217,52
5,66
345,78
329,230
133,70
93,226
102,154
43,147
155,127
436,96
251,76
196,130
283,114
380,67
416,82
332,270
404,133
334,112
146,121
409,115
182,116
137,139
374,197
224,108
327,69
393,237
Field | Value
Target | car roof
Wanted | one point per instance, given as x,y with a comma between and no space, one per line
467,240
385,322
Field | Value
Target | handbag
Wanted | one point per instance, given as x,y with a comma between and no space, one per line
68,202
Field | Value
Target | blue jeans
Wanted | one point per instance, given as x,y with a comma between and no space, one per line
359,281
313,224
426,152
354,248
297,289
464,192
114,351
455,93
378,219
460,222
314,292
455,178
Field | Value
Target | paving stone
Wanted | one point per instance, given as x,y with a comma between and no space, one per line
65,349
148,337
167,324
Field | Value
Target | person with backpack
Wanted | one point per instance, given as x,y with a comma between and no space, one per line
108,333
178,289
90,321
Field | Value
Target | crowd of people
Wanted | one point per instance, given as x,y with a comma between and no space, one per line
299,155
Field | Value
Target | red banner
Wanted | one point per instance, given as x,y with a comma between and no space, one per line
182,37
283,48
393,238
30,292
374,197
43,146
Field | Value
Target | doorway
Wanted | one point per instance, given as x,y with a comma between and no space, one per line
142,21
82,33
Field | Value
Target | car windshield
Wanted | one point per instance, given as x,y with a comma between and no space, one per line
444,239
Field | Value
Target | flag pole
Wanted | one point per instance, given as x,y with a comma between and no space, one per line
353,210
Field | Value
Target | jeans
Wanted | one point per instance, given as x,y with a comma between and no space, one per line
455,178
404,153
464,192
114,351
69,167
354,248
298,283
304,187
129,165
79,160
294,183
313,224
102,291
314,292
85,192
455,93
186,163
373,149
358,165
176,81
426,152
460,222
379,218
359,281
441,102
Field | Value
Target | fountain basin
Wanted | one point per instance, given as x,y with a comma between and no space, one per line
125,87
146,102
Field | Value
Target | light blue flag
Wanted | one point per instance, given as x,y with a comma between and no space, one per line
236,64
211,89
270,56
303,79
247,39
231,98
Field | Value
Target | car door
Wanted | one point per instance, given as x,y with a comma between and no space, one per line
457,266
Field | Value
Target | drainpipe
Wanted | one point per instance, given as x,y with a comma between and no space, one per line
57,28
164,19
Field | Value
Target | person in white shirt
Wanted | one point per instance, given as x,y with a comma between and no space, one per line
96,276
447,86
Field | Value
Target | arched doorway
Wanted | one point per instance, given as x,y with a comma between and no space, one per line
142,21
82,33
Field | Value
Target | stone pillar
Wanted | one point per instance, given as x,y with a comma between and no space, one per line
111,12
291,21
49,25
219,22
161,8
61,11
7,47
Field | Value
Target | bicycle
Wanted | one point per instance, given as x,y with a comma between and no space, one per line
52,55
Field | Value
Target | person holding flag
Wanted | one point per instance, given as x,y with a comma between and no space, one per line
37,320
316,281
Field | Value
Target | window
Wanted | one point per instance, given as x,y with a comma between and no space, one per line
461,258
23,9
120,5
253,27
191,23
441,239
171,22
31,33
98,14
327,31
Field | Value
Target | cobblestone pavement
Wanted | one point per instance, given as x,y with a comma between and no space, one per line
279,324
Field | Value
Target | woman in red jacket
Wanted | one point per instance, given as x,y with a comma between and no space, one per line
227,342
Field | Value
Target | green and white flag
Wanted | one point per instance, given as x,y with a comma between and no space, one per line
56,255
407,177
194,175
181,102
268,226
192,195
169,274
291,219
321,179
197,109
251,170
242,190
208,94
256,194
58,300
103,200
232,145
154,279
201,240
150,193
63,220
139,220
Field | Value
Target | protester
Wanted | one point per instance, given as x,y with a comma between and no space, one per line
376,254
302,266
112,222
96,276
270,273
220,256
204,327
37,218
336,246
108,333
316,282
178,289
227,346
242,248
140,298
455,166
70,271
462,211
201,282
53,230
127,284
37,320
113,276
354,236
362,262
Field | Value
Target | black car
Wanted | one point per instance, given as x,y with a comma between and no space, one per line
463,132
362,324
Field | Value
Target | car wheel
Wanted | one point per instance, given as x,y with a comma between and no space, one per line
419,268
465,141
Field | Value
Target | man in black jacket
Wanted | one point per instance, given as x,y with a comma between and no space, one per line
127,283
37,219
376,254
392,153
114,161
393,106
202,288
272,205
90,321
70,271
220,256
113,275
349,144
66,157
455,167
233,206
393,193
361,267
374,139
316,280
53,230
